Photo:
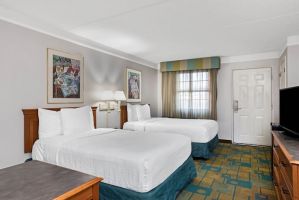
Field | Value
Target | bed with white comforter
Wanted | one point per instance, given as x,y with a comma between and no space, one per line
203,133
136,160
198,130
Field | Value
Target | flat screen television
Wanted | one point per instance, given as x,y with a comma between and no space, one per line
289,110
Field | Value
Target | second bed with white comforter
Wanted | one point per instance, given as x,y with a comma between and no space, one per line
203,133
136,160
199,130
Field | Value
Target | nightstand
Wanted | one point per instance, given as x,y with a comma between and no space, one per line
36,180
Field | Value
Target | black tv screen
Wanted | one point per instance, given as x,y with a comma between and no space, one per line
289,110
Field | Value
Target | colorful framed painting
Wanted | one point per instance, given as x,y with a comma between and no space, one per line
133,89
65,77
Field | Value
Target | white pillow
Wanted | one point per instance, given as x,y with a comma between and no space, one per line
49,123
143,112
77,120
131,111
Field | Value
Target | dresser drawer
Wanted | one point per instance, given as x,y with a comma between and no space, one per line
276,160
276,175
285,193
281,190
286,170
277,192
276,152
276,183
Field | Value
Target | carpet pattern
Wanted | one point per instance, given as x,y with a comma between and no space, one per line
234,172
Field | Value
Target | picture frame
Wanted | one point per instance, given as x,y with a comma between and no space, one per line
133,85
65,74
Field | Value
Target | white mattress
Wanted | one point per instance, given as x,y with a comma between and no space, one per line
199,130
129,159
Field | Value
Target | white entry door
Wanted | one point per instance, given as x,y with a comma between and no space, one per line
252,106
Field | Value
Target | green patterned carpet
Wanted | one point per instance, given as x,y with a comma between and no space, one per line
235,172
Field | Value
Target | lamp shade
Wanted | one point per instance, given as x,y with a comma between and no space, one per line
119,96
106,95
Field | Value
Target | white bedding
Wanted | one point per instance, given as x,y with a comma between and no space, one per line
199,130
129,159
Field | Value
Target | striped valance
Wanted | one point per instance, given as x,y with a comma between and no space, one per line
191,64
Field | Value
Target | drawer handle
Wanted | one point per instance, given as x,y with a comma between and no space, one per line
284,164
285,191
275,184
275,146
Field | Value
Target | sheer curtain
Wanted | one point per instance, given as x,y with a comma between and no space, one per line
190,94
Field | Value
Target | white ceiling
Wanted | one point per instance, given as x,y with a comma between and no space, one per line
161,30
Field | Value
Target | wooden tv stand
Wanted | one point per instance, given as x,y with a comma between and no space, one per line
285,166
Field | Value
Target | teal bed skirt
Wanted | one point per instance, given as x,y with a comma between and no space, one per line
167,190
204,150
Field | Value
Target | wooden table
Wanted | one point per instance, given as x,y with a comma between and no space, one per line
36,180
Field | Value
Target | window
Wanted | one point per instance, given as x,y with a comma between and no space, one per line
193,92
190,94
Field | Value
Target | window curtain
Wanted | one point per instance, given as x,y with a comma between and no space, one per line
169,94
190,94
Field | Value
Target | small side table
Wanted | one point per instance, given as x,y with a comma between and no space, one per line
36,180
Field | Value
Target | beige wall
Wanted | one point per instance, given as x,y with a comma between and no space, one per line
293,66
225,94
292,70
23,54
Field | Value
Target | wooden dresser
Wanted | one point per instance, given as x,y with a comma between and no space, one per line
36,180
285,166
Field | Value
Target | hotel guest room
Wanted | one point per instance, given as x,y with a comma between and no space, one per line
149,100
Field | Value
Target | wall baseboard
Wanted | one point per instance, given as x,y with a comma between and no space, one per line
225,141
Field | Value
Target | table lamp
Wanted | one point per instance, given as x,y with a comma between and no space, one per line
119,96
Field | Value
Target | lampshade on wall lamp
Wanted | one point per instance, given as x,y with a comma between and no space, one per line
105,97
108,99
108,103
119,96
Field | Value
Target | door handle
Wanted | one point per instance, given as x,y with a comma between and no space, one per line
236,106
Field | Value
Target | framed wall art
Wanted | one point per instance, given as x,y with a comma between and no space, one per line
65,77
133,90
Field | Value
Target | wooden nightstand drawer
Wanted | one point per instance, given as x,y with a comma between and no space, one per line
85,194
86,191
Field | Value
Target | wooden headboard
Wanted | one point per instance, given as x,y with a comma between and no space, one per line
123,115
31,126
